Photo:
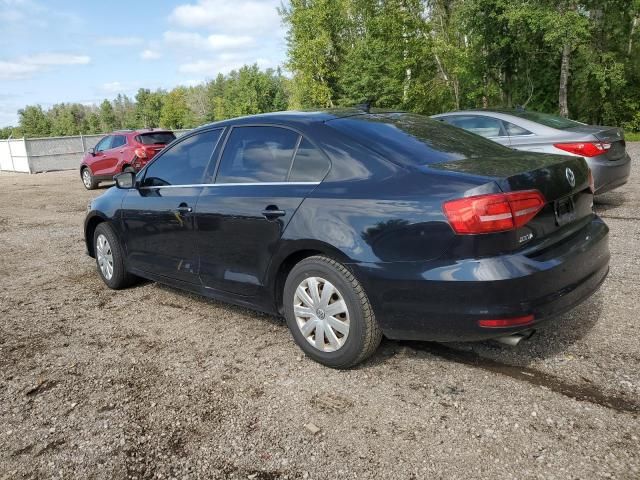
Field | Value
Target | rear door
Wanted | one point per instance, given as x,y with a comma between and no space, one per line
158,217
263,175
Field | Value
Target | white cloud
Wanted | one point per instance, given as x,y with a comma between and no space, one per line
25,67
189,40
112,87
120,41
149,54
229,17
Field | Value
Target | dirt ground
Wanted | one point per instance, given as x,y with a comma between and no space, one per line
151,382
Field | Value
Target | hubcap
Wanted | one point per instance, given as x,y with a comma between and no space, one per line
321,314
86,178
104,256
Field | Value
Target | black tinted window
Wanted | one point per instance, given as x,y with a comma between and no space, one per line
104,144
257,154
156,138
183,163
310,165
118,141
415,139
483,126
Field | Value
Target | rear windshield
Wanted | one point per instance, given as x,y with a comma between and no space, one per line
156,138
548,120
415,139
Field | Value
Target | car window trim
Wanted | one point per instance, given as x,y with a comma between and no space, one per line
224,145
236,184
177,141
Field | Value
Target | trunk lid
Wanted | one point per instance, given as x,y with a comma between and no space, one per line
611,135
563,180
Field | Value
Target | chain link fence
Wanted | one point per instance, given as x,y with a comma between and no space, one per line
34,155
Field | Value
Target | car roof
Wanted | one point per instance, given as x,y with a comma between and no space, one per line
290,117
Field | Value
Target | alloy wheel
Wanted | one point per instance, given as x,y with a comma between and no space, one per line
321,314
86,178
104,256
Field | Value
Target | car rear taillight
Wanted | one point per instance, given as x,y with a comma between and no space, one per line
585,149
506,322
140,153
495,212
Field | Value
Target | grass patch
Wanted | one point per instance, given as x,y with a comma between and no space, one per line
632,136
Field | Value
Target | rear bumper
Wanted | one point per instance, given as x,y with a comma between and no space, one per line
444,302
608,175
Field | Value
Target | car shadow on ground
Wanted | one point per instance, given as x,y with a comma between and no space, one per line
552,339
608,201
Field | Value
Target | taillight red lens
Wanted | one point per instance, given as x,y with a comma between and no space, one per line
140,153
585,149
506,322
496,212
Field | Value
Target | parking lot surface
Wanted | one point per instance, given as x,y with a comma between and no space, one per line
152,382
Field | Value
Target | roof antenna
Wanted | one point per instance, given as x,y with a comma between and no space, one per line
365,107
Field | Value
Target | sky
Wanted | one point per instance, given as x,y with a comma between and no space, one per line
55,51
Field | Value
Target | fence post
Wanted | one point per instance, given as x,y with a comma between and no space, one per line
84,145
13,167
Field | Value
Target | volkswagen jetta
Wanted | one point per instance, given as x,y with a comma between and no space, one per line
353,225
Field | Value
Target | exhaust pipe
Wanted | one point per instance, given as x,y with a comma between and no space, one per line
516,338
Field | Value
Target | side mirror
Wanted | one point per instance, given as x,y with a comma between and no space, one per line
92,151
125,180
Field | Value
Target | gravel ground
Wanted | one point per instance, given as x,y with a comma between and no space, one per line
151,382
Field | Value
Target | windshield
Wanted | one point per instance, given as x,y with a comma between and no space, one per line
548,120
156,138
415,139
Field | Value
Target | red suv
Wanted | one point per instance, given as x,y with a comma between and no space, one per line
121,151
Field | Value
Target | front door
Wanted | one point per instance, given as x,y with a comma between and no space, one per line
158,217
242,216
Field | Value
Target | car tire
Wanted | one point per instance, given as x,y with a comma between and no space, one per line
110,258
88,180
350,333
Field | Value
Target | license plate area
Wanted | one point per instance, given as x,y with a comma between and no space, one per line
565,210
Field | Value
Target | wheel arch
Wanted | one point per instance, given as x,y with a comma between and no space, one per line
90,227
294,254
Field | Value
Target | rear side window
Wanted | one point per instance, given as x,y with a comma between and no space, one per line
514,130
155,138
309,164
184,163
483,126
257,154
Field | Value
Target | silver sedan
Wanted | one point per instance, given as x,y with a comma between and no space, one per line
602,147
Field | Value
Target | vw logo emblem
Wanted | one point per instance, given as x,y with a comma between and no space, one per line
571,177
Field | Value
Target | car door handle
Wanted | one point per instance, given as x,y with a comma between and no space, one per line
272,212
182,209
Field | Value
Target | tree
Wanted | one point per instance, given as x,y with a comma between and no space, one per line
34,122
108,120
175,112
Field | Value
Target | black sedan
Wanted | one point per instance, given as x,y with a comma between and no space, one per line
353,225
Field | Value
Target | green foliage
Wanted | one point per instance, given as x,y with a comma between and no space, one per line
430,56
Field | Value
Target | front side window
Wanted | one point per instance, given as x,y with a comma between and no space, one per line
483,126
257,154
184,163
104,144
309,164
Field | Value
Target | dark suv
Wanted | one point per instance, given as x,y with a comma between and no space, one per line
121,151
